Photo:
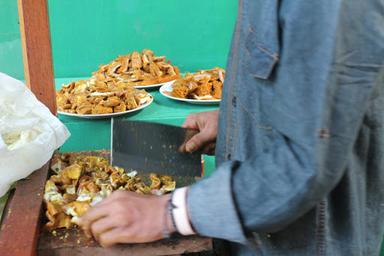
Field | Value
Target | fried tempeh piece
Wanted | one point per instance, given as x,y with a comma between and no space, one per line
100,109
217,89
136,60
155,70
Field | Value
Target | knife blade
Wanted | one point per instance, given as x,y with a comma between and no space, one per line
152,147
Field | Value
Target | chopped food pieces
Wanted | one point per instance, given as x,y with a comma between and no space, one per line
202,85
84,181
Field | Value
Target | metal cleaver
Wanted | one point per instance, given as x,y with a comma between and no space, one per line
151,147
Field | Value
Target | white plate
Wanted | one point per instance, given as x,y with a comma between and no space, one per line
100,116
167,88
152,86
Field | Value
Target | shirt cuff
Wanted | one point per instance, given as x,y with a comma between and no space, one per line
180,212
212,209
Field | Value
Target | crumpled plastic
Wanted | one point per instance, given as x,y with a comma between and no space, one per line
29,132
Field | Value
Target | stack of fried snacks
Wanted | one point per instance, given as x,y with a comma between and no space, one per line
96,97
202,85
138,69
84,182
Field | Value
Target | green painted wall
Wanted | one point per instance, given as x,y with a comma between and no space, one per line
194,34
10,45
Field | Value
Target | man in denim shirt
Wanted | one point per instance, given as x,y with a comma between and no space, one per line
300,140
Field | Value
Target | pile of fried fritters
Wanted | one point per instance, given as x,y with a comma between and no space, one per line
138,69
111,88
202,85
94,97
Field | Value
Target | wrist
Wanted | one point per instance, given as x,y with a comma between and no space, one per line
168,228
169,222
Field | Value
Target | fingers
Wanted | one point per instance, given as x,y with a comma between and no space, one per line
131,234
197,141
188,135
103,225
92,215
114,236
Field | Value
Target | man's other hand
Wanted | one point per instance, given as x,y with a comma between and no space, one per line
206,124
127,217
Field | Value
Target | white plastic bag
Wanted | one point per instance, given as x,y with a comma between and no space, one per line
29,133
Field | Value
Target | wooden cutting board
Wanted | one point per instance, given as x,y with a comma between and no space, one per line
21,232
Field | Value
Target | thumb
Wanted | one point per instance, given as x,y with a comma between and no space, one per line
196,142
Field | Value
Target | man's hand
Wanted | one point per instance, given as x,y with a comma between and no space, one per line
206,124
128,217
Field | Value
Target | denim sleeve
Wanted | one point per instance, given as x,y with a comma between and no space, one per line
267,192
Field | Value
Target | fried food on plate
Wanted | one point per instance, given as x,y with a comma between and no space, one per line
138,69
95,97
202,85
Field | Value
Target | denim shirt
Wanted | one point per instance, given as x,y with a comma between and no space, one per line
300,149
